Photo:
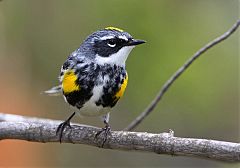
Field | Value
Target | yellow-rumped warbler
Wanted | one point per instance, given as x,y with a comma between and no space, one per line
94,78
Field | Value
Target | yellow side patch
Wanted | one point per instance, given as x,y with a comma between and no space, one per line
114,28
120,93
69,82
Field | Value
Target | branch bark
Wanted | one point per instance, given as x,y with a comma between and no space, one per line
44,130
179,72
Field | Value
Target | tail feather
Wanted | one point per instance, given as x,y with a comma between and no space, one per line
54,91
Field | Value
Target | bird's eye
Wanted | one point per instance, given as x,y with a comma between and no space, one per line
111,43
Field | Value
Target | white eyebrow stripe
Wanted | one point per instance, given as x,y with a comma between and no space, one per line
123,37
106,37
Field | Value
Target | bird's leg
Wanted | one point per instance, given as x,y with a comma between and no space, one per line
106,130
62,126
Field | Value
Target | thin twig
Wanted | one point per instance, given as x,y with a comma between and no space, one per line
180,71
44,130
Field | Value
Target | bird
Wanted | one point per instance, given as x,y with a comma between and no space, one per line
93,78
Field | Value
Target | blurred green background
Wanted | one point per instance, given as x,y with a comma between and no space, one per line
37,36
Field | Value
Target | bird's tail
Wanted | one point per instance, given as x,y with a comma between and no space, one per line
54,91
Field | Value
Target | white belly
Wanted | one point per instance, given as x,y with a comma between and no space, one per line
90,108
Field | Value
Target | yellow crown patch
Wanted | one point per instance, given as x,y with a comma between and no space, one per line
114,28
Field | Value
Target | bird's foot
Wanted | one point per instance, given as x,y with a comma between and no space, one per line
106,131
62,126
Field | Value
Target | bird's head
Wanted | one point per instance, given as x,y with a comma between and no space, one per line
110,45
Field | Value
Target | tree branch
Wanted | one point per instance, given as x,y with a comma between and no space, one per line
44,130
174,77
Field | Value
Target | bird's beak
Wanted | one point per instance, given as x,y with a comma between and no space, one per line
135,42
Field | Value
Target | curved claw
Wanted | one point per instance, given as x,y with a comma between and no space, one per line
106,130
62,126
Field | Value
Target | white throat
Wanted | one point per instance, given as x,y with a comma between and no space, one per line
118,58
